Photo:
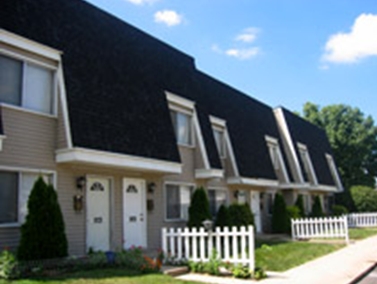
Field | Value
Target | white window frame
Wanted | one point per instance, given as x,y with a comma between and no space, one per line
179,184
20,172
176,109
222,147
334,172
307,162
276,156
25,61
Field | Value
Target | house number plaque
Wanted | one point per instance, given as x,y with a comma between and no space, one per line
98,220
133,219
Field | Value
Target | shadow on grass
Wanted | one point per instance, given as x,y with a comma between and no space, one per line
87,276
271,241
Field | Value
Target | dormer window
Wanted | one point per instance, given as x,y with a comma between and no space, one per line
307,163
182,123
26,84
218,134
182,113
277,159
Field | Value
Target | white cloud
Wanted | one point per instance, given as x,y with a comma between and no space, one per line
243,53
141,2
359,43
168,17
244,49
216,48
248,35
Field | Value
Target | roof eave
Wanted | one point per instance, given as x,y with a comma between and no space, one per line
103,158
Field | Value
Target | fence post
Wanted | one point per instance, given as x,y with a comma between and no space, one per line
346,228
251,248
293,229
164,243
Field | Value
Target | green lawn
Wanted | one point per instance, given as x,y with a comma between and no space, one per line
104,276
359,234
282,256
276,255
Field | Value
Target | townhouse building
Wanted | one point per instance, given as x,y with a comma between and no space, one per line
126,127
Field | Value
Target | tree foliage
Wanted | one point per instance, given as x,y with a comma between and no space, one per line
222,217
43,233
199,209
365,198
240,215
280,220
317,210
353,138
300,205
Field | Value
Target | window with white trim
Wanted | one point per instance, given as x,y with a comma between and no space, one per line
307,162
182,123
277,159
216,197
218,134
15,188
178,199
26,84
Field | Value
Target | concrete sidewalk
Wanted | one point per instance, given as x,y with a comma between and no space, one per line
340,267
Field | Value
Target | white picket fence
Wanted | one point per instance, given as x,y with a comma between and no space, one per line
362,220
234,246
322,228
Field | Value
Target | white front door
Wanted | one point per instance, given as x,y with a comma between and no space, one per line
134,213
255,208
98,214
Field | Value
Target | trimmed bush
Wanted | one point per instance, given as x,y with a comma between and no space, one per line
199,209
240,215
222,217
317,211
293,213
43,233
280,221
300,204
365,198
339,210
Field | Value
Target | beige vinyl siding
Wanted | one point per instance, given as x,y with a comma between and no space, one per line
30,139
188,170
29,144
9,237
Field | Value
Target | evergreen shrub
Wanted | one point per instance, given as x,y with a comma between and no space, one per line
43,233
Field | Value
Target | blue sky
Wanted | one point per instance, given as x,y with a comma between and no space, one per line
281,52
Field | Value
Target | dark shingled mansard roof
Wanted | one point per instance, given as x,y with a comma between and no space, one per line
115,78
317,143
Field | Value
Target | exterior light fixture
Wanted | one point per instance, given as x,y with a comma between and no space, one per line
80,182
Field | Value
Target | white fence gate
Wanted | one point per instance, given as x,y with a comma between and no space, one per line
362,220
234,246
322,228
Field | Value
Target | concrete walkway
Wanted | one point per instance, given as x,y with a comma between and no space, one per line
340,267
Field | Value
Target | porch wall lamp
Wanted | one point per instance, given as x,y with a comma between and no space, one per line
208,225
151,187
80,183
236,193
